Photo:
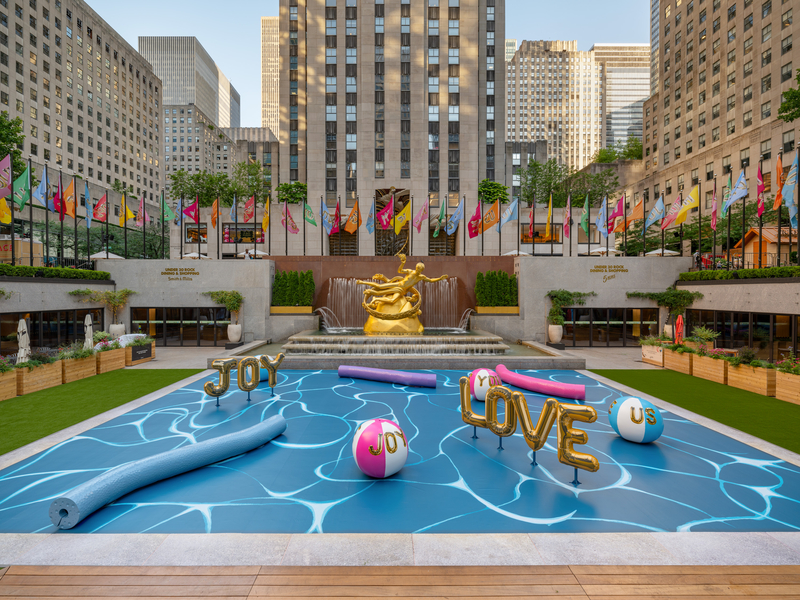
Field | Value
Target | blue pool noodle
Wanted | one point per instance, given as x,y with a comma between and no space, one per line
70,509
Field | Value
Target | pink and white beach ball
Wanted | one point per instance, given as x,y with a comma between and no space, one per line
480,380
380,448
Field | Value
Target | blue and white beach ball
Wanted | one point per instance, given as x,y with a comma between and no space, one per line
636,420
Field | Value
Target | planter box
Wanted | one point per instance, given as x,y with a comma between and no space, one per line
291,310
76,369
497,310
110,360
753,379
136,355
8,385
692,345
711,369
678,362
653,355
787,387
38,379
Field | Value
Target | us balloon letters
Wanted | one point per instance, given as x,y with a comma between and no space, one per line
636,420
516,409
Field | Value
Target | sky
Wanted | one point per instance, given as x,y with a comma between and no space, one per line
233,39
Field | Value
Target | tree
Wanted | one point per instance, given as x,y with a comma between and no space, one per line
597,186
631,149
11,142
790,107
539,180
491,191
207,187
605,155
293,193
179,185
251,179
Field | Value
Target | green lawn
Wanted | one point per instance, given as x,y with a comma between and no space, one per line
770,419
28,418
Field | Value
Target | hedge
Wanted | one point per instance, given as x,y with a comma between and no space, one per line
52,272
496,288
770,273
293,288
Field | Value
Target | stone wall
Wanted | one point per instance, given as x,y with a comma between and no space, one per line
748,295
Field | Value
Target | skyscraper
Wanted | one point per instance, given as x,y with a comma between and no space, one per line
654,49
511,49
190,76
381,123
554,94
626,85
270,73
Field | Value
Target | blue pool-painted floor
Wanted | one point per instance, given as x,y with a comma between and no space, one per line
306,480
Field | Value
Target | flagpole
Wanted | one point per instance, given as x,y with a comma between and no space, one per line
197,224
700,222
47,216
75,221
625,220
61,218
464,222
779,175
500,231
30,208
163,235
321,229
286,229
180,221
236,228
269,231
304,227
744,205
761,216
729,235
144,226
519,228
255,226
11,196
714,242
358,226
88,237
339,223
608,233
108,204
550,233
446,219
480,200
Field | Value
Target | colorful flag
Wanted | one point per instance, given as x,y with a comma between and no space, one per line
673,212
778,184
760,187
234,212
287,221
726,194
179,212
265,220
492,216
619,211
656,213
5,177
422,215
40,193
714,207
691,201
739,191
602,219
88,198
337,219
788,192
308,214
69,199
474,224
402,218
214,213
440,218
249,209
5,212
166,211
530,223
511,213
386,215
193,211
57,204
142,218
353,219
567,216
325,217
100,211
126,215
585,217
549,226
637,214
455,219
22,190
371,218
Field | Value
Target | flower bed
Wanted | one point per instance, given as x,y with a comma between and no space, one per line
8,385
678,361
140,353
75,369
787,387
110,357
710,368
38,378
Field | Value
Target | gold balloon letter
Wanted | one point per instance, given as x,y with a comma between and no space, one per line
272,364
224,366
567,436
249,366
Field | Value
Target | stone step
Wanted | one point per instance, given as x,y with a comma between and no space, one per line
294,348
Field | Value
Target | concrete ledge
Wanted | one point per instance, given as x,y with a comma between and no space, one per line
760,280
56,280
291,310
465,363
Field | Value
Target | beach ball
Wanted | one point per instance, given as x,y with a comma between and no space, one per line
480,380
636,420
380,448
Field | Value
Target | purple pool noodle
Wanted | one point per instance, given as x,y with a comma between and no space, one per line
389,376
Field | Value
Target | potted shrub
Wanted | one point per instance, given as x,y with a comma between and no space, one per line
114,301
76,362
39,372
140,350
787,379
233,302
675,300
110,356
701,336
678,357
710,365
293,292
555,318
653,349
8,379
746,373
496,292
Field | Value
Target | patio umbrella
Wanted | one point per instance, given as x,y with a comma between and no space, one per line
24,342
111,255
666,253
252,253
679,330
517,253
602,251
196,256
88,344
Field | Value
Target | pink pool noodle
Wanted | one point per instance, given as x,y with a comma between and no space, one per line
542,386
389,376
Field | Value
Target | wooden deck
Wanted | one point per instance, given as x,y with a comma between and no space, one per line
488,582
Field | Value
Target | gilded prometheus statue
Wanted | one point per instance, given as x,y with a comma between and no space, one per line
394,304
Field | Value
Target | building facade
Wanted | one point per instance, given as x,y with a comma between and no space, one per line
626,85
654,45
555,94
724,69
392,100
270,73
511,49
190,76
88,101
